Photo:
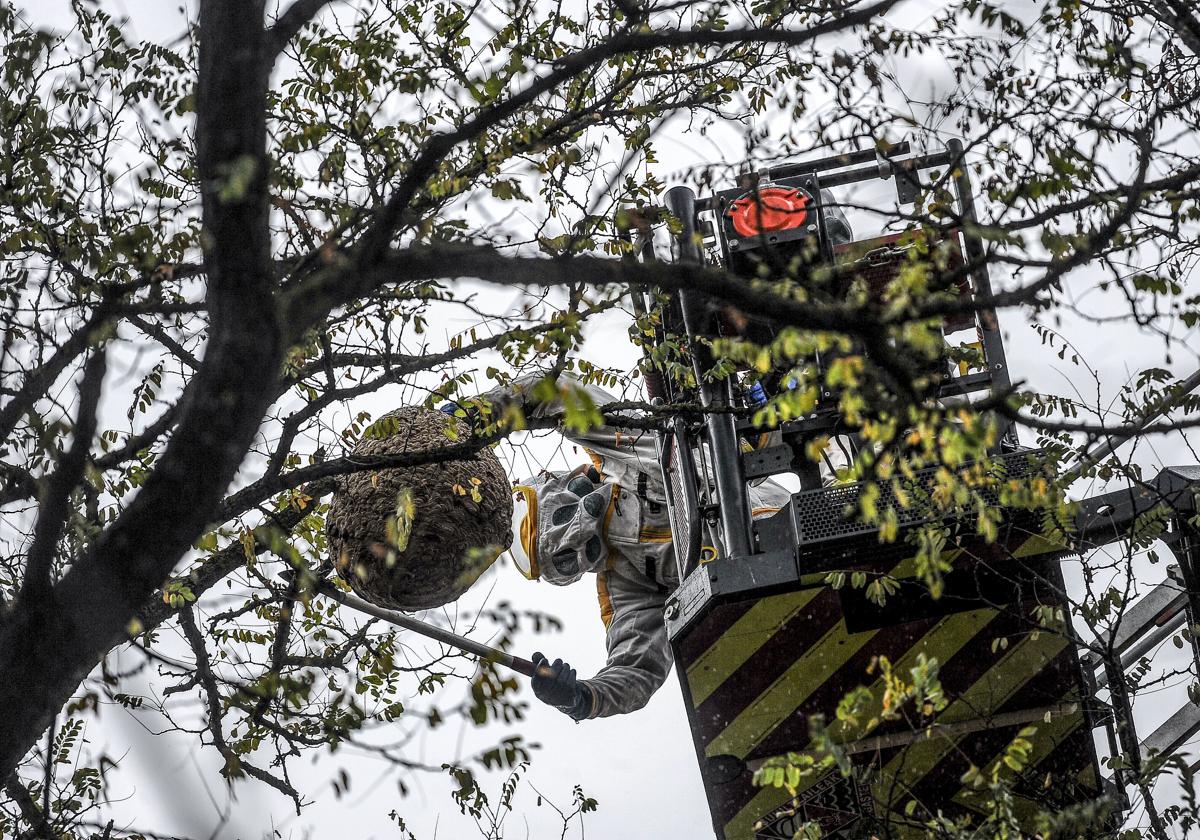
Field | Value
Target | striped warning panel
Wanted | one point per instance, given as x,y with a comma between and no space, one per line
757,672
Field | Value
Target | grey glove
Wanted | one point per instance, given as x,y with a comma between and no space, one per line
561,689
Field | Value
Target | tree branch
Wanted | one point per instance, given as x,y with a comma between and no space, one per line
136,443
55,504
485,263
396,369
224,562
327,289
19,794
266,487
37,381
288,25
17,484
157,332
234,765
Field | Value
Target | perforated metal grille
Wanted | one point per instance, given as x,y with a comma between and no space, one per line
832,513
680,526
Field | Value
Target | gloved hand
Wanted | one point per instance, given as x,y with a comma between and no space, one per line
561,689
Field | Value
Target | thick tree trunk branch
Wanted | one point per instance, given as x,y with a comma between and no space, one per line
48,646
487,264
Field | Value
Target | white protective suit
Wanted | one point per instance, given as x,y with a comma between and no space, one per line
638,570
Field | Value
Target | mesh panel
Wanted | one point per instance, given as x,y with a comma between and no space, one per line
832,513
680,527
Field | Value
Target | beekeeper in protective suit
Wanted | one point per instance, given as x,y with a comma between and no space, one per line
609,518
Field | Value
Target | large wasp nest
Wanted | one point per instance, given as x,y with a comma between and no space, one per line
417,537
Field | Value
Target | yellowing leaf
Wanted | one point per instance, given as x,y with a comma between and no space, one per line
208,542
406,513
247,541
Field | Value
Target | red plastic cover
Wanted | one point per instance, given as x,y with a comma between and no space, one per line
769,209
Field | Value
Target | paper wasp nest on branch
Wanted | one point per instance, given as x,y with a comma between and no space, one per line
417,537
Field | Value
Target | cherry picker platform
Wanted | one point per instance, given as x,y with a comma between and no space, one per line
768,633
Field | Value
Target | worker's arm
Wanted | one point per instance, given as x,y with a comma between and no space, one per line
627,456
631,606
639,657
524,393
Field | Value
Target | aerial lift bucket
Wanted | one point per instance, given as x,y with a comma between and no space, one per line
771,634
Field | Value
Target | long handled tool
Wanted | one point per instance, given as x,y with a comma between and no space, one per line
486,652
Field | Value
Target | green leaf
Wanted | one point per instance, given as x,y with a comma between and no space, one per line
237,178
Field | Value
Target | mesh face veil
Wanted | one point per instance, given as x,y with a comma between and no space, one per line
560,525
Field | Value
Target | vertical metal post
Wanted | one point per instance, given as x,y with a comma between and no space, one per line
673,446
733,501
655,386
1187,552
993,341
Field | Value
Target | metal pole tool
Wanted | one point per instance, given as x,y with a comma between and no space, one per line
485,652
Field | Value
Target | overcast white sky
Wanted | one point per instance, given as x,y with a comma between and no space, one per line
641,767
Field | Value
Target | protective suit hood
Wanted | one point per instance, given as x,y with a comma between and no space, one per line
560,525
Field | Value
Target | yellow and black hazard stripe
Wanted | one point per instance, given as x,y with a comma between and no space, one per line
756,671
